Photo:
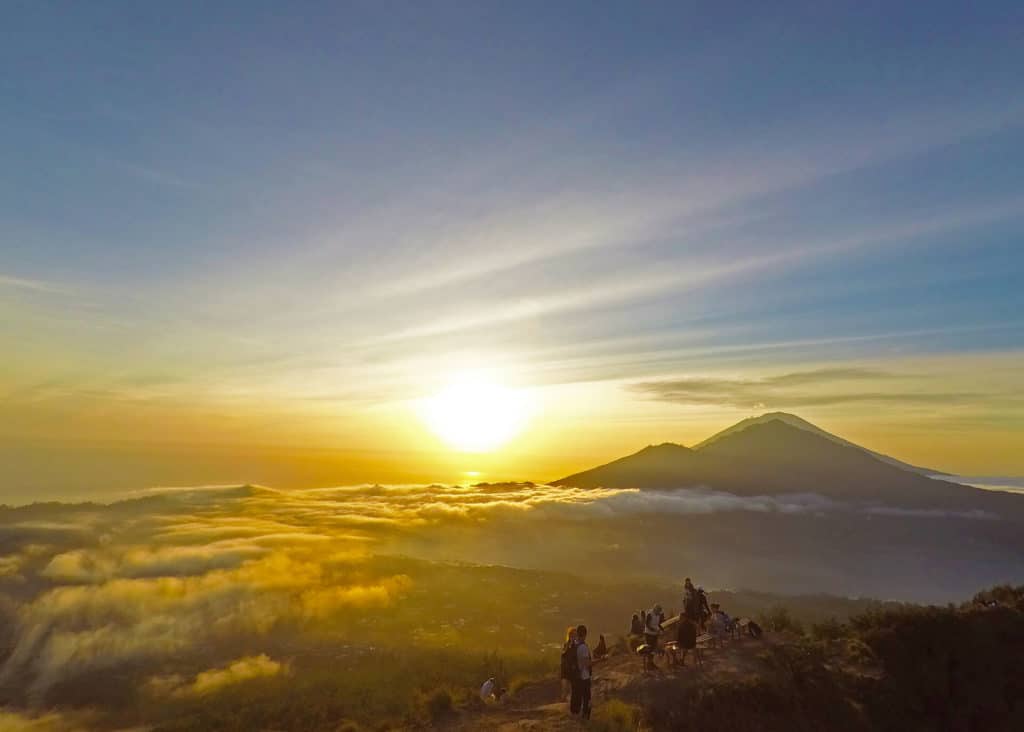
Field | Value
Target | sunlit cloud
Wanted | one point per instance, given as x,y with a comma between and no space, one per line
216,679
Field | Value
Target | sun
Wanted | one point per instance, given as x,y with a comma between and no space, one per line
476,414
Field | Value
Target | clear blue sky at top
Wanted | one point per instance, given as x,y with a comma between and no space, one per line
261,168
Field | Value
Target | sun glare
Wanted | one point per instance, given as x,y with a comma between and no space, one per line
475,414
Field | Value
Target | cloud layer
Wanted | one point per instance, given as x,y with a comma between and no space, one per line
201,574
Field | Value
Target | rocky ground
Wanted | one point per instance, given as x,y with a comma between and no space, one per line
540,705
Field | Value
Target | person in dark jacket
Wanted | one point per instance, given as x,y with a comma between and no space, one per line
568,670
686,640
691,603
705,609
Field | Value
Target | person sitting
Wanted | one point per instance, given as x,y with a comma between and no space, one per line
491,691
721,624
636,632
651,632
716,626
601,650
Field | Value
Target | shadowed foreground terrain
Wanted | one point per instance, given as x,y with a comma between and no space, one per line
907,668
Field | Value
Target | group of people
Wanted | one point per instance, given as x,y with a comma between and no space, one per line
646,628
577,668
698,616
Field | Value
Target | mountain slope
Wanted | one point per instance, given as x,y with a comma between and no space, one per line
795,421
773,457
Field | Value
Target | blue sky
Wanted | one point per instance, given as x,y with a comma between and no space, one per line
341,203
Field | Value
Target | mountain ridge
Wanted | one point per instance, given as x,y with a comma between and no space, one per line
774,457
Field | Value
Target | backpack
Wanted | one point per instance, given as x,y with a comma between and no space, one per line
754,629
570,663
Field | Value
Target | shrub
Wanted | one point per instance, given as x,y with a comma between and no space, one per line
797,693
615,715
435,705
828,630
945,668
779,620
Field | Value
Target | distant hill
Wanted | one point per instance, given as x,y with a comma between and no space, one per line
794,421
771,455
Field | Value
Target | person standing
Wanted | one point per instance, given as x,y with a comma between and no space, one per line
705,610
691,603
569,668
580,702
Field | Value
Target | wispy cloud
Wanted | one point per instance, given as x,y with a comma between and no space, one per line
33,285
820,387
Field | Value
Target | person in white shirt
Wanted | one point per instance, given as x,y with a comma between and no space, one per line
490,691
487,690
651,633
580,701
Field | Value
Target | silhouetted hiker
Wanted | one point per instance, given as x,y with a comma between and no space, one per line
601,650
580,702
636,626
691,603
686,640
705,610
569,666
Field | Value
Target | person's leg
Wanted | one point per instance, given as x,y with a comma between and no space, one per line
585,694
575,699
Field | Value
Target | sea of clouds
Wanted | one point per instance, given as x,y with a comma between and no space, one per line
171,573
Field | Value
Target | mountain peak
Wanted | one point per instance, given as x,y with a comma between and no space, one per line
775,453
800,423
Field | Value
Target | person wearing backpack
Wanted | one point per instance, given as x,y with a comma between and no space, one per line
580,701
569,662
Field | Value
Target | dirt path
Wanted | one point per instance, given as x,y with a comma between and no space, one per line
538,706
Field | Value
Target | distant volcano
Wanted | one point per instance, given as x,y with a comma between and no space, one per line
794,421
780,453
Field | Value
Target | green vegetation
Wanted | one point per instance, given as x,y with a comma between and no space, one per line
779,620
795,691
899,668
381,690
615,715
947,667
